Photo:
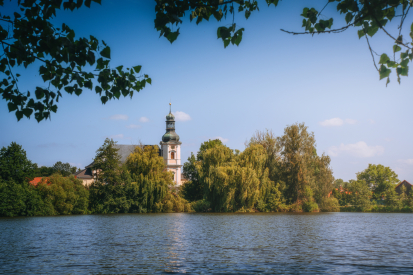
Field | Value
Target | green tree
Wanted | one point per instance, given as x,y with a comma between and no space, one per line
207,145
107,163
192,190
297,147
360,195
368,17
270,142
14,165
379,178
44,171
393,199
65,195
147,161
28,37
65,169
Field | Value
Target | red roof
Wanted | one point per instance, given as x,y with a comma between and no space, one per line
38,180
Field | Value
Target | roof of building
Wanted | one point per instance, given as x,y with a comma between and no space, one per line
170,136
126,150
170,117
84,174
37,180
404,181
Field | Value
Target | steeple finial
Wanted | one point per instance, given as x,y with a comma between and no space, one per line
170,108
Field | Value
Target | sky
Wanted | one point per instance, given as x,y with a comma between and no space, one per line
270,81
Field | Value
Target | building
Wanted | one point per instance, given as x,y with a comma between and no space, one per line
86,175
406,184
170,150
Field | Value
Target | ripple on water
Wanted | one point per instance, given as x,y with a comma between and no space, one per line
322,243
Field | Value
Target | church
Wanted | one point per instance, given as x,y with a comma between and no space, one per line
169,149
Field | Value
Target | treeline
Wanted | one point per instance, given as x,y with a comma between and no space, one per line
272,174
373,190
138,186
285,174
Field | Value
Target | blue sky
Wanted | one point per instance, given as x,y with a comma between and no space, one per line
271,80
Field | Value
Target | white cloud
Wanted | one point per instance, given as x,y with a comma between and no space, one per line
350,121
144,119
119,117
337,122
181,116
133,126
221,139
371,121
359,149
406,161
332,122
116,136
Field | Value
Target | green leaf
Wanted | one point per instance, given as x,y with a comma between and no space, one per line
19,115
53,108
349,17
105,52
172,36
384,72
11,107
404,63
104,99
149,81
396,48
137,69
27,112
372,30
88,84
404,55
360,33
119,68
39,93
383,59
98,90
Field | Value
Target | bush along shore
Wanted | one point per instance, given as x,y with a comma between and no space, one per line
272,174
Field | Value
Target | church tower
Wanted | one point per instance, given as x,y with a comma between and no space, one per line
171,148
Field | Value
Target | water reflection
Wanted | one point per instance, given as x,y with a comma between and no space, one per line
208,243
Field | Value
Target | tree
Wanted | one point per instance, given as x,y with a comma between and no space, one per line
360,195
28,37
107,163
379,178
44,171
297,148
368,16
269,141
147,161
65,169
14,165
192,190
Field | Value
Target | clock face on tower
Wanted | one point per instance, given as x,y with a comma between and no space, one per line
170,125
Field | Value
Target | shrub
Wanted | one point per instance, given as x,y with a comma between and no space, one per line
329,205
201,206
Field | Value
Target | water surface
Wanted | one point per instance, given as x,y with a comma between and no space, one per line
321,243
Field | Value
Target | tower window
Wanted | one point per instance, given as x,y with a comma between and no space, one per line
172,155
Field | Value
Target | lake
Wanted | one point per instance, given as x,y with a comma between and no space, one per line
276,243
